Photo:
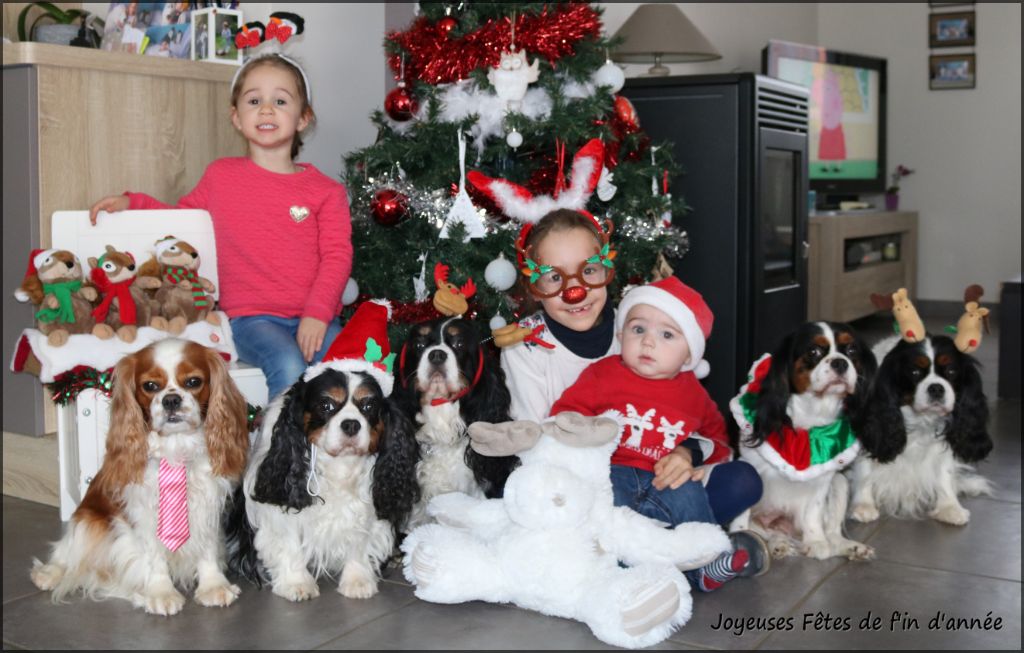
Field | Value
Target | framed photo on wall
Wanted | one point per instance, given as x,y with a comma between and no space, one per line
951,29
948,71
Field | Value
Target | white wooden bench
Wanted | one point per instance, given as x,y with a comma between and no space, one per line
82,424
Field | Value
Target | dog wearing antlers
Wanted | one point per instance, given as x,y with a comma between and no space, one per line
927,422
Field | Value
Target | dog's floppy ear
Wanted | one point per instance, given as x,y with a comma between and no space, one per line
281,479
967,434
878,422
395,490
126,447
489,400
867,368
226,427
774,396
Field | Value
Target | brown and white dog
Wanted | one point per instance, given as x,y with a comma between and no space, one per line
794,416
172,401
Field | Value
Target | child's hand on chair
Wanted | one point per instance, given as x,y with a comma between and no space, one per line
676,468
111,204
310,336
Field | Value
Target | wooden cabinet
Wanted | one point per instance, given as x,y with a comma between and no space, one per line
80,124
853,255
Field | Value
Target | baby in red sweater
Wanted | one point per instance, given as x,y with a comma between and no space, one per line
673,462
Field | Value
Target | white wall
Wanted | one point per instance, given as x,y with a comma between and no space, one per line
963,144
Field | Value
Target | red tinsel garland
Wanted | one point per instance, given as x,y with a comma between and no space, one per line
432,56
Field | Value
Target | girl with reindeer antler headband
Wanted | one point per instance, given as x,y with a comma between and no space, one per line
567,263
283,232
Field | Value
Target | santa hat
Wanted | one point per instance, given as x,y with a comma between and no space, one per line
362,346
35,261
686,308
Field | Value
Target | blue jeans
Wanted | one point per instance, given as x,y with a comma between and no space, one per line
732,488
268,342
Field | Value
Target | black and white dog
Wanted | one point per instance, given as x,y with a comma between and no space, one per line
794,418
927,421
446,380
331,478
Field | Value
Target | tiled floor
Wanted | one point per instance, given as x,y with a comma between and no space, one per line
923,569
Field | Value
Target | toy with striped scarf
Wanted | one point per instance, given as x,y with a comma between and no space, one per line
183,296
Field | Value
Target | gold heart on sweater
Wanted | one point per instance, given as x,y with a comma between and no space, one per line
299,213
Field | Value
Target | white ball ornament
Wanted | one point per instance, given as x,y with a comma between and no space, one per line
500,274
497,322
611,76
514,139
351,292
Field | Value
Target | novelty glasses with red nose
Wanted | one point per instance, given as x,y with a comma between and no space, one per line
547,281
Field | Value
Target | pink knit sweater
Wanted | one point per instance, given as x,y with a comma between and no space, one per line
284,242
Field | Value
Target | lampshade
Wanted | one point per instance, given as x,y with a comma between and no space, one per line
662,33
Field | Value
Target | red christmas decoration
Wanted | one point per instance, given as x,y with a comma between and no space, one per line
626,114
447,24
389,207
432,57
400,104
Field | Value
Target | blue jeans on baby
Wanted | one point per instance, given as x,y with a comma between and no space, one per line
732,488
268,342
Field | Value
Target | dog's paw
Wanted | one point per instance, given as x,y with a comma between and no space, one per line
217,596
953,514
163,602
781,547
648,606
858,551
817,549
46,577
301,589
864,512
357,583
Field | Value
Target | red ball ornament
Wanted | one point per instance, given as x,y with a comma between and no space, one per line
625,112
447,24
400,104
389,207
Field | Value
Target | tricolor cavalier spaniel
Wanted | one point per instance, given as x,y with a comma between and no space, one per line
173,407
927,421
447,379
331,477
795,430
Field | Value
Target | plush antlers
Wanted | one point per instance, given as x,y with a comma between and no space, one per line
911,328
449,300
968,328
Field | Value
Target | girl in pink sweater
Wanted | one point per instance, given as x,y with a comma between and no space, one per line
284,248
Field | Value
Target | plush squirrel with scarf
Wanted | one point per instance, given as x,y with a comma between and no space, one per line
124,305
183,297
54,282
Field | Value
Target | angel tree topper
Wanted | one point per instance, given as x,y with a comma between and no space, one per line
512,75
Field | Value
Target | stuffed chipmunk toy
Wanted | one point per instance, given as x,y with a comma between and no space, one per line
124,305
54,282
183,297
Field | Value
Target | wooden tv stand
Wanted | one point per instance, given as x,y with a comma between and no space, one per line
849,261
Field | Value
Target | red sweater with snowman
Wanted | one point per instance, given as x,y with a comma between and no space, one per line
657,414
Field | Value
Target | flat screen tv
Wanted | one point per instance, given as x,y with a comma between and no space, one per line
846,149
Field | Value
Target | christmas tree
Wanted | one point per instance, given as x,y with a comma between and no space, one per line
524,86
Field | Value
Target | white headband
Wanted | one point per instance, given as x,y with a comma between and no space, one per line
305,80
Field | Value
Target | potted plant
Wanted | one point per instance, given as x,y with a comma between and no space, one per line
61,27
892,193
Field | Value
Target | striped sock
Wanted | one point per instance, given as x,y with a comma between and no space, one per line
723,569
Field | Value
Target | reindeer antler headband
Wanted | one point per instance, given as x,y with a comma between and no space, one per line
520,204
